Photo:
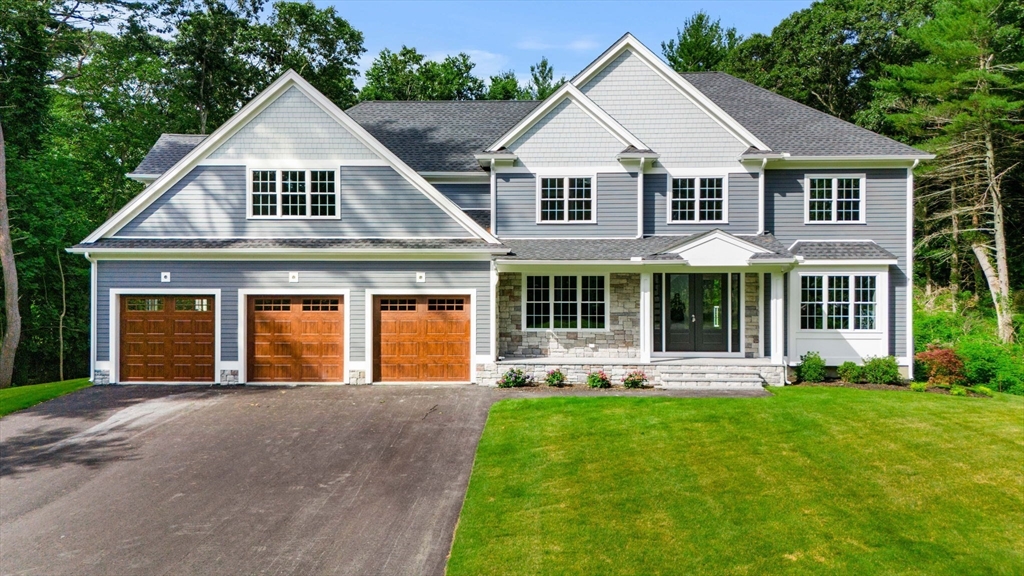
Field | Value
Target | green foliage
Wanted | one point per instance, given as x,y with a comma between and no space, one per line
882,370
542,83
21,397
505,86
598,380
515,378
811,368
635,379
555,378
943,366
919,386
701,46
408,75
851,372
957,391
983,390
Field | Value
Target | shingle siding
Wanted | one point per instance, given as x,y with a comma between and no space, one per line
616,209
567,136
376,202
467,196
742,217
230,276
659,115
293,127
885,201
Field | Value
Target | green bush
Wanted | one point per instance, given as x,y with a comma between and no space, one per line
1009,382
598,380
851,372
882,370
982,360
958,391
514,378
919,386
983,390
555,378
811,368
635,379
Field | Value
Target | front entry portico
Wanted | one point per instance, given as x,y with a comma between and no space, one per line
696,312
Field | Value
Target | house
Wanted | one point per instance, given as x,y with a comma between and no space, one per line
694,226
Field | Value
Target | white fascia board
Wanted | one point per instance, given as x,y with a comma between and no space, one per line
282,253
247,113
570,91
629,42
883,262
144,178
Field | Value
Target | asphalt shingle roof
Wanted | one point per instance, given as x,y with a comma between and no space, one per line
289,243
440,136
846,250
788,126
169,148
649,248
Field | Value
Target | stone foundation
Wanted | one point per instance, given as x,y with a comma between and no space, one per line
668,375
752,319
357,377
228,377
101,377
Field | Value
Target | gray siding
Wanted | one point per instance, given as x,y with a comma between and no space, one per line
659,115
376,202
742,215
885,199
616,209
567,136
293,127
467,196
229,277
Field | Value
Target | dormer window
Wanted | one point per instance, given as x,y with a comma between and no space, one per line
834,199
293,194
566,200
697,200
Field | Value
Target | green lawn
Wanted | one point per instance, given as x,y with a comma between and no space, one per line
810,480
21,397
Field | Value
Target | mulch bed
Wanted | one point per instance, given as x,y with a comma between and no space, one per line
886,387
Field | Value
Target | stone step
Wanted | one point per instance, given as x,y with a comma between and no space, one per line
708,368
753,378
707,384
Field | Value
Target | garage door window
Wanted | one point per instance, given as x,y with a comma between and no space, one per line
272,304
445,303
192,304
398,305
145,304
320,304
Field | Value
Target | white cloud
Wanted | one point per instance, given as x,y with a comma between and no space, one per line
582,44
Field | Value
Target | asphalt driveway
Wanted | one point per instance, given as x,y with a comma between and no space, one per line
178,480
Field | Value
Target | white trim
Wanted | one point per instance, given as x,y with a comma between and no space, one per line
568,90
455,177
280,167
777,318
629,42
287,254
862,201
243,324
646,317
292,163
114,335
760,314
93,302
743,315
760,198
494,199
696,198
851,262
640,200
701,238
369,321
563,170
909,272
247,113
579,303
494,312
565,198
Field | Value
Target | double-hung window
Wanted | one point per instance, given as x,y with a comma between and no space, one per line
565,302
697,200
838,302
294,194
566,199
834,198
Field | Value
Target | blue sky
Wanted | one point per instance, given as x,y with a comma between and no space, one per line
501,35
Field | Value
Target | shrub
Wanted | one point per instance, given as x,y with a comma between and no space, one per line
811,368
514,378
882,370
958,391
851,372
982,360
943,366
1009,382
635,379
598,380
984,391
918,386
555,378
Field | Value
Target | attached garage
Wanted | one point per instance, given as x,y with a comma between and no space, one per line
421,338
167,338
296,339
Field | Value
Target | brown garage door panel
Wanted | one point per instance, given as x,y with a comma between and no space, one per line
167,338
296,339
421,338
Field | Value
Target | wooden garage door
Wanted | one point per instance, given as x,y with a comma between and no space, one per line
167,338
421,338
296,339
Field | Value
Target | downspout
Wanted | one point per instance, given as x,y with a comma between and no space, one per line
494,200
640,199
92,316
760,198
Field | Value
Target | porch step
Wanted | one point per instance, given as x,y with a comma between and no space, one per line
705,380
710,369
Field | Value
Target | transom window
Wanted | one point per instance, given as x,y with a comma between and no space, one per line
835,199
398,304
145,304
828,302
566,199
697,200
565,302
320,304
445,303
272,304
192,304
293,194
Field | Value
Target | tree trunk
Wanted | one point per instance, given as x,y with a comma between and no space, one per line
1001,290
63,313
954,248
1005,326
12,332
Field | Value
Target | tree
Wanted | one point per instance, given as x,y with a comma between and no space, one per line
542,82
505,86
964,99
12,316
408,75
701,46
450,79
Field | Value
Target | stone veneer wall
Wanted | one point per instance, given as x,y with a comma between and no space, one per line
622,340
576,374
752,320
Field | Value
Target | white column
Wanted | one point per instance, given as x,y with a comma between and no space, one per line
646,311
640,200
778,322
494,312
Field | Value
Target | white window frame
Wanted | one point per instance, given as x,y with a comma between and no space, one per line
881,299
565,182
307,170
579,302
862,178
696,177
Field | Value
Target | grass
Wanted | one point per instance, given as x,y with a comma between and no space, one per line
810,480
21,397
